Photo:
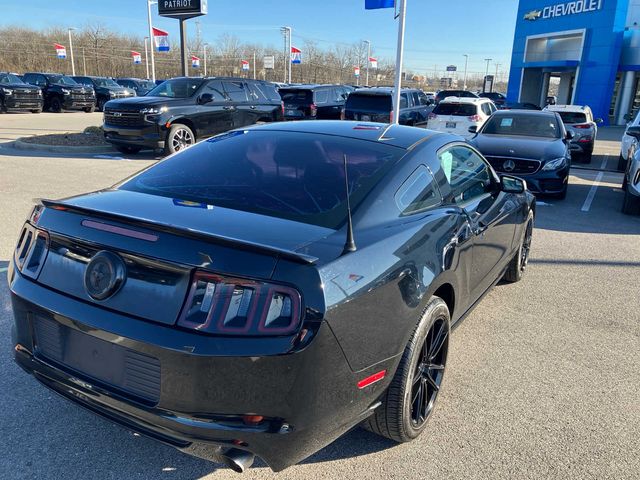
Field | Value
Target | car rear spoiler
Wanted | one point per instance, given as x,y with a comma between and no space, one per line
198,235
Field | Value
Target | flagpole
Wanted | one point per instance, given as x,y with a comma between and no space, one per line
368,61
204,51
151,41
146,54
73,66
254,64
289,59
399,57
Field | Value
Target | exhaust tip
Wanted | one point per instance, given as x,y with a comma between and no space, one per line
237,460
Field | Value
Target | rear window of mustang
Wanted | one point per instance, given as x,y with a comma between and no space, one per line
292,175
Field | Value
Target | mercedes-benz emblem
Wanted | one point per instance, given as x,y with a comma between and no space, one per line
104,276
509,166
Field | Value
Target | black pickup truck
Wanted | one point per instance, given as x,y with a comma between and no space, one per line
16,95
61,92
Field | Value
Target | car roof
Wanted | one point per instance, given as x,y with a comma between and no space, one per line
380,90
400,136
472,100
567,108
525,112
309,87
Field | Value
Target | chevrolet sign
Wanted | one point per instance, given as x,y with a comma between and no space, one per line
563,9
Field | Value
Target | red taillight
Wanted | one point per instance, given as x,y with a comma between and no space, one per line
582,126
314,109
586,139
342,115
475,118
391,116
232,306
432,116
282,106
31,251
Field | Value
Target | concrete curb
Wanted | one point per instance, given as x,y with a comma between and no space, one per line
20,145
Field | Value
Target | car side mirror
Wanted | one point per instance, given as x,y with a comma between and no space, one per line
512,184
599,121
569,135
473,129
205,98
634,132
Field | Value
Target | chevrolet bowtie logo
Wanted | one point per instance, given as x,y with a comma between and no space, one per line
533,15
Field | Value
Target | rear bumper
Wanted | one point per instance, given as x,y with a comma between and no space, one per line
308,397
152,136
581,148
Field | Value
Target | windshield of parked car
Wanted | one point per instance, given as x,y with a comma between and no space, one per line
528,125
105,82
457,109
296,96
572,117
369,103
290,175
61,79
9,78
177,88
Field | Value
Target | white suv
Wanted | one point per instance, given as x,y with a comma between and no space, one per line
579,121
458,114
627,142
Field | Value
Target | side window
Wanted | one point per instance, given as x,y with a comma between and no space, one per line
256,93
337,94
322,96
236,91
466,173
404,100
486,109
214,87
424,101
418,192
416,99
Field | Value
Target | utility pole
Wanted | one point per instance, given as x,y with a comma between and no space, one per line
366,81
146,54
287,54
153,63
497,67
204,55
487,60
73,66
402,14
466,63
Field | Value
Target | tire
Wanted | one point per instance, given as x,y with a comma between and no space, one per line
518,265
179,137
89,109
399,418
56,105
622,163
127,149
3,108
101,102
39,110
630,204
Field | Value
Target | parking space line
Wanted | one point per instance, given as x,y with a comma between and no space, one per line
592,193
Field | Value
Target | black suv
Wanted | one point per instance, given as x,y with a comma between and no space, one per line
17,95
497,98
181,111
311,102
141,87
105,88
61,92
376,105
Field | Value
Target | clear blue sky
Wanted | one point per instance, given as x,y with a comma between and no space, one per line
438,31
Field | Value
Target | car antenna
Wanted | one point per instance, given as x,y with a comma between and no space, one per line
349,245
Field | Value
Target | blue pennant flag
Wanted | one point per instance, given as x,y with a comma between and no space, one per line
373,4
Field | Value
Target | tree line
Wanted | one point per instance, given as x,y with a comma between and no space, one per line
101,51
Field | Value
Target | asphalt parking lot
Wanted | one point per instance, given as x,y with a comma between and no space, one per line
543,377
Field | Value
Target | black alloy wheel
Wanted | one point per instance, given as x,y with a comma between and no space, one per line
518,265
56,105
179,137
428,373
410,398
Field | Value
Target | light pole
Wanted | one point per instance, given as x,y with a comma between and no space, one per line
146,54
466,63
366,81
286,31
153,63
487,60
73,67
497,67
402,14
204,56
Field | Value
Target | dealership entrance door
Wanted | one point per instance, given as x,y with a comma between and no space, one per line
539,83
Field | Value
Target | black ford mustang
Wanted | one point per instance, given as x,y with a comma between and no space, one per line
226,297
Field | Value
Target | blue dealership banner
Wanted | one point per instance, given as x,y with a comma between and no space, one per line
373,4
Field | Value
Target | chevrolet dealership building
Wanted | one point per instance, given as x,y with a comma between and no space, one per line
589,48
